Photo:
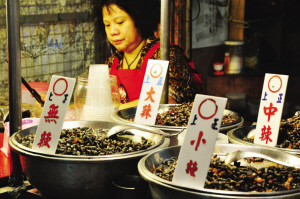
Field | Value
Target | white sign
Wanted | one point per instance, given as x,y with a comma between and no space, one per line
53,115
153,84
198,145
270,109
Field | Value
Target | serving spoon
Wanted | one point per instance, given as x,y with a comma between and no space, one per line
278,157
119,128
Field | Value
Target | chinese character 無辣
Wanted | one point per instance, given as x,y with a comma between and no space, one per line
45,138
52,114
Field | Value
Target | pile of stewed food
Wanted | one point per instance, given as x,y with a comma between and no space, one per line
235,177
179,115
86,141
289,133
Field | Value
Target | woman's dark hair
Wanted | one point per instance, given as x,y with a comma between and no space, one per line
144,13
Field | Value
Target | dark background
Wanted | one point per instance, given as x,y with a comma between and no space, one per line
274,36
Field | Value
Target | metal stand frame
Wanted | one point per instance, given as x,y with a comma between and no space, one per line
14,79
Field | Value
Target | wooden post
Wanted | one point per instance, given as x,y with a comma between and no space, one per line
187,29
237,11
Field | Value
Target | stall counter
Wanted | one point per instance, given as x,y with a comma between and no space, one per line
4,163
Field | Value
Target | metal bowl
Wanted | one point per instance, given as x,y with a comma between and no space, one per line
60,176
158,137
126,114
163,189
235,136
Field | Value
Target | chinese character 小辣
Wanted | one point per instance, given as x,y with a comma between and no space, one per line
198,140
191,168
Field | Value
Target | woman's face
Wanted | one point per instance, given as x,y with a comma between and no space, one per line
120,29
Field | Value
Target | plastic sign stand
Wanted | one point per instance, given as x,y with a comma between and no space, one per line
53,115
199,142
270,109
153,84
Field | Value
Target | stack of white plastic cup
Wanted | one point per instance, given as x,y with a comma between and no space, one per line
98,104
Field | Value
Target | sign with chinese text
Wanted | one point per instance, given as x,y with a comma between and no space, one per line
53,115
199,142
153,84
270,109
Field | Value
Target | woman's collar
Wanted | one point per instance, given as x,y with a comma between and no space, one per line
149,43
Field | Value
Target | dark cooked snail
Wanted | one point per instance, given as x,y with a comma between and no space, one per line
289,133
222,176
91,142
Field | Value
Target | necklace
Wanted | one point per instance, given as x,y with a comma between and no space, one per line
133,60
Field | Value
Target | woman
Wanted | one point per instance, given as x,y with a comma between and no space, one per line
130,27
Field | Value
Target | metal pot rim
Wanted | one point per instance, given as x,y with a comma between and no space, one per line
226,127
212,194
235,140
147,175
16,145
86,158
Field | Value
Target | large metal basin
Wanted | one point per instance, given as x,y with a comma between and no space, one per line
59,176
158,137
125,114
163,189
236,136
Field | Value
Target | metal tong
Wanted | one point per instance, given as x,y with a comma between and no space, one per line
33,92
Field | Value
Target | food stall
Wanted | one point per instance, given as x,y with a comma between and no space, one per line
89,164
